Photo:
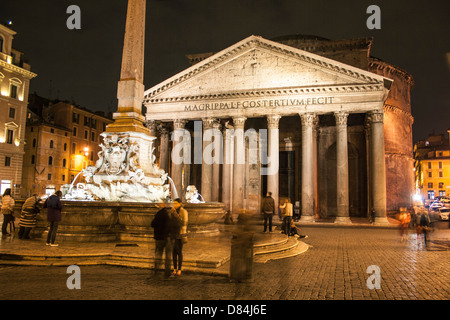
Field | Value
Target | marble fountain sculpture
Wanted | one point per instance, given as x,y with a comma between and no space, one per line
120,197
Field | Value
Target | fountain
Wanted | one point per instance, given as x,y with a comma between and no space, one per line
125,188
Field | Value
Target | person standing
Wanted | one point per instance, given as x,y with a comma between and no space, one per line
164,230
425,224
268,210
7,211
288,214
30,210
405,219
54,207
181,236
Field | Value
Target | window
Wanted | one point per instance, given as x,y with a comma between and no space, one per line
7,161
430,185
92,155
441,185
87,121
92,136
429,165
63,178
431,194
49,176
13,91
74,147
5,184
441,193
65,146
34,143
50,161
51,144
85,134
440,164
9,136
64,163
75,118
32,159
12,113
74,131
430,175
1,50
441,174
52,130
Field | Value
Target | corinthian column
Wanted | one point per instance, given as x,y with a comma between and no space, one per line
238,165
378,166
218,147
274,156
227,169
307,204
342,168
207,168
178,157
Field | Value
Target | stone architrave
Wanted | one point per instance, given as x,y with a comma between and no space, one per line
273,153
378,166
307,198
342,186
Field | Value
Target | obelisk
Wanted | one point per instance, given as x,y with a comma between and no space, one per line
130,90
128,120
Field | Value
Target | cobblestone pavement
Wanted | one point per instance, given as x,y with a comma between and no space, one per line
334,268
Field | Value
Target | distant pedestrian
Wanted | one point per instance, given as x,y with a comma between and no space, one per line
405,219
288,215
268,210
372,215
28,216
180,236
425,224
165,229
54,207
7,211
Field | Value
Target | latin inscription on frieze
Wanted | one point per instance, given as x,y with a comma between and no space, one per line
263,103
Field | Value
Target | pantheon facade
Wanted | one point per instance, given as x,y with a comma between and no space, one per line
335,123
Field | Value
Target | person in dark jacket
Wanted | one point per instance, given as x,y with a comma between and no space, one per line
54,207
268,210
165,230
28,216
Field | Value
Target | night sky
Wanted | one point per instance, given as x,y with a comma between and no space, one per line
83,66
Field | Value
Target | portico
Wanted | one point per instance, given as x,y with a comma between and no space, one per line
248,99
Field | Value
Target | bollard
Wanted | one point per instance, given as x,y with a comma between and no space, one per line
241,259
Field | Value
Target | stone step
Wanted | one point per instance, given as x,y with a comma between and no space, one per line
298,248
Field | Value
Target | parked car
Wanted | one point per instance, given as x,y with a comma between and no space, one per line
443,213
435,206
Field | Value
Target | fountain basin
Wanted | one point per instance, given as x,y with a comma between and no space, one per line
102,221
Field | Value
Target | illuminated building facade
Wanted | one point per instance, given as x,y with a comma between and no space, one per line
62,139
432,167
15,76
340,122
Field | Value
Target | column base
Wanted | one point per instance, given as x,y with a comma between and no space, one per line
381,221
307,219
345,220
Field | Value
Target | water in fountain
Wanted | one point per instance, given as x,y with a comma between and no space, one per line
174,189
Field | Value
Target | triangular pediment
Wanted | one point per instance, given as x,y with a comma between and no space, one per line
257,65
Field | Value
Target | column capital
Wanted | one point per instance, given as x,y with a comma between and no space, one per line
273,121
216,125
376,116
341,118
179,124
239,122
208,123
308,119
162,129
